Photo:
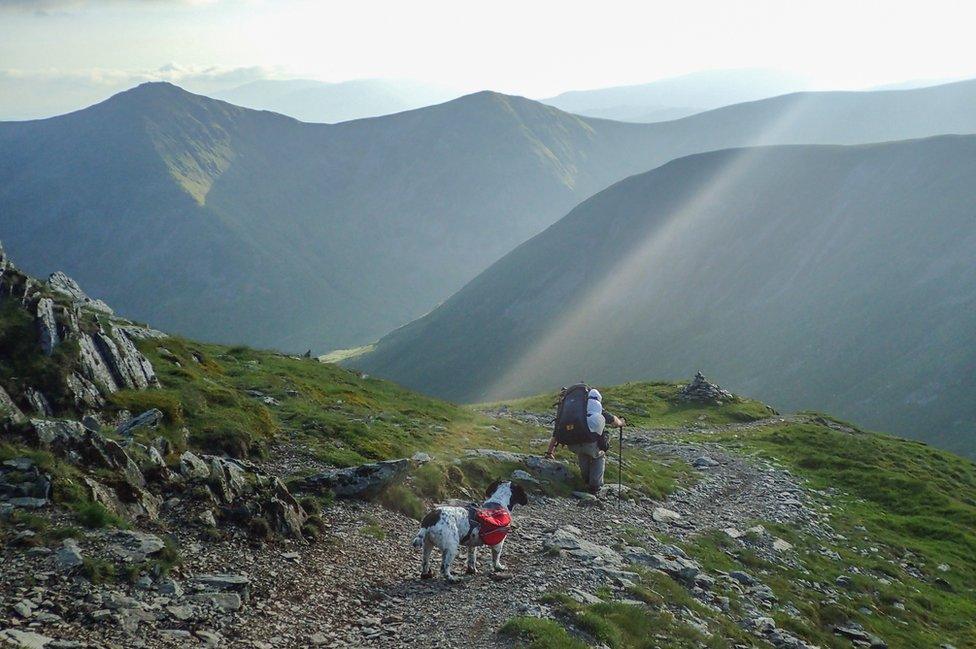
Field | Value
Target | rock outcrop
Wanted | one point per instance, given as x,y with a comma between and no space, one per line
106,359
47,326
61,283
149,419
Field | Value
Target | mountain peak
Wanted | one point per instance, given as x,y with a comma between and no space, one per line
153,91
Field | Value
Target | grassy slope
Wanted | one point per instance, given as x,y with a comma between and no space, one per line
916,505
344,418
902,510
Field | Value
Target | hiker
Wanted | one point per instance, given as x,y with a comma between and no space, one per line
586,434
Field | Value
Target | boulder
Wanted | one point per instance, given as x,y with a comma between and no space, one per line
148,419
39,403
136,368
283,512
518,475
134,546
227,478
192,467
24,639
744,578
127,501
569,539
9,409
69,555
223,583
662,515
359,481
26,502
678,568
84,393
540,466
704,462
226,602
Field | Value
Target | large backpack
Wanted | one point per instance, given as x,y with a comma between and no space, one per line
571,426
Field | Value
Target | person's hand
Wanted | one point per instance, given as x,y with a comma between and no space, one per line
618,422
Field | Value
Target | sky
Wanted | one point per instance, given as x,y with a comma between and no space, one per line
62,54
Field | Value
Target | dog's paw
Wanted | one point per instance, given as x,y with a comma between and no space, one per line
427,575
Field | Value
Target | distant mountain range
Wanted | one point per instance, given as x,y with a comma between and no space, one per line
840,278
677,97
243,226
318,101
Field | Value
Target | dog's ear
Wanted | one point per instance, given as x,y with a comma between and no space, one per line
518,496
491,488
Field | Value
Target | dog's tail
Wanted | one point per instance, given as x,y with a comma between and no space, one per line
418,541
430,520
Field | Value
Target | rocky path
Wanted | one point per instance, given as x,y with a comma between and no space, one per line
358,585
731,493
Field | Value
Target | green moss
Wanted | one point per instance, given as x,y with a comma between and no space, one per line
20,358
402,500
98,571
95,515
537,633
374,530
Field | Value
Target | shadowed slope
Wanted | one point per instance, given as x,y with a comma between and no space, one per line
844,274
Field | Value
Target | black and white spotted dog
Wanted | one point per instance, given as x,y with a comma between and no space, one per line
448,528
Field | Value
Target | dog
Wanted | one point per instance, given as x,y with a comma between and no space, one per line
448,528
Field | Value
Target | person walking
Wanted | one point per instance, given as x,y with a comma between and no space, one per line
590,450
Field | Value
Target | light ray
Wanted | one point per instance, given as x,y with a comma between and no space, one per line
633,277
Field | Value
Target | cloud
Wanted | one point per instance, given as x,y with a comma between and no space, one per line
48,7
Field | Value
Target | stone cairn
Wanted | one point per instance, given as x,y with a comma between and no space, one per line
700,389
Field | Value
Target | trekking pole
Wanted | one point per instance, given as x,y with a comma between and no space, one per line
620,463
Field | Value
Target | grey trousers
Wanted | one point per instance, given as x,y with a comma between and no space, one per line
592,463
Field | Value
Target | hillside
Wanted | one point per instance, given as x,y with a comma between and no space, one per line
677,97
298,236
318,101
208,506
290,235
838,278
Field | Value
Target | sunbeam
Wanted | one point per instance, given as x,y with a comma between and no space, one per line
637,274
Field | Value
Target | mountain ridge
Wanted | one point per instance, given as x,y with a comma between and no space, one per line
346,231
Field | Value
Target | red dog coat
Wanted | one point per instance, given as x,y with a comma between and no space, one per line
494,524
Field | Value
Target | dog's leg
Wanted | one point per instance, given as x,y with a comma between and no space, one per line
425,571
447,560
472,560
496,557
